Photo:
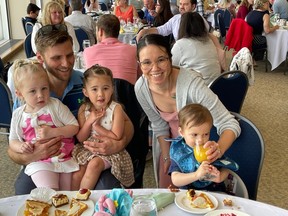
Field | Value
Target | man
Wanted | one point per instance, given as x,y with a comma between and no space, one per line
281,7
149,12
109,52
32,13
77,19
172,26
55,51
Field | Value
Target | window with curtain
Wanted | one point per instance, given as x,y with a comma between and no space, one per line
4,31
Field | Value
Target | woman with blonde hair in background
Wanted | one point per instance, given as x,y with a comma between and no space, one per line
124,11
53,14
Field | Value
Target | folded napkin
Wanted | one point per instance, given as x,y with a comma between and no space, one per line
161,199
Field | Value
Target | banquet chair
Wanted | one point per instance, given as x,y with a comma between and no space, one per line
248,151
28,27
222,28
23,24
81,35
28,47
103,6
5,107
218,11
231,88
227,18
235,185
138,146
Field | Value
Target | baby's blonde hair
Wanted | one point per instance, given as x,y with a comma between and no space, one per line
23,68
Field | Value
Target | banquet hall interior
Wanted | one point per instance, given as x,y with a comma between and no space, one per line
266,105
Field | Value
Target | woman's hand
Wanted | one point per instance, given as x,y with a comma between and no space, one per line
214,151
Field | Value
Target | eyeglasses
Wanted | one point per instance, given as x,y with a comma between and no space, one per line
147,65
47,29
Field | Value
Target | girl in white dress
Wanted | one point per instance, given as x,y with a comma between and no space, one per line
39,119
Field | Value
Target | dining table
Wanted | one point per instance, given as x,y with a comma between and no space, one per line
277,46
11,205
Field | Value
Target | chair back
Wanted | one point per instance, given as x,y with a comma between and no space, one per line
81,35
28,47
5,107
235,185
239,35
23,24
231,88
28,27
248,151
221,24
218,11
227,18
138,146
103,6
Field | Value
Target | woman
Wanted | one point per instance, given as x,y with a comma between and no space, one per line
244,8
91,5
194,49
53,14
163,11
163,90
125,11
259,20
227,4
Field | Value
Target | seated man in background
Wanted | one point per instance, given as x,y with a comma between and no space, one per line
149,12
77,19
281,7
32,13
109,52
55,51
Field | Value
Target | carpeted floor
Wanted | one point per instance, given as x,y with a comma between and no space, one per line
266,105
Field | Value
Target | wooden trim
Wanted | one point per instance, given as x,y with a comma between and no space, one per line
12,51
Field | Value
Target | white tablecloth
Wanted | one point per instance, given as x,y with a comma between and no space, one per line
9,206
277,44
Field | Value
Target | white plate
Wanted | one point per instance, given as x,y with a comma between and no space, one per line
183,203
70,194
227,212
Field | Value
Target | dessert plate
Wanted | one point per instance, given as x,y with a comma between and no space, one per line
89,211
183,203
226,212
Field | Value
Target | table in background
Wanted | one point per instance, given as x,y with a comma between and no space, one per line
277,46
10,205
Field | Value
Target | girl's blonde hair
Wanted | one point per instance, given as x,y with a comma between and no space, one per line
97,70
23,68
46,16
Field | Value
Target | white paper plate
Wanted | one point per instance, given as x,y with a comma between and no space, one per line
183,203
70,194
228,212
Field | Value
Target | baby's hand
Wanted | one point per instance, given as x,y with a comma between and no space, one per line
44,132
203,169
215,174
26,147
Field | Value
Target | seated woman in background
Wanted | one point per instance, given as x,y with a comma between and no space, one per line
164,13
125,11
53,14
91,5
244,8
194,49
259,20
227,4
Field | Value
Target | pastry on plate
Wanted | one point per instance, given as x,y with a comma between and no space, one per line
59,212
36,208
200,200
77,207
60,200
83,194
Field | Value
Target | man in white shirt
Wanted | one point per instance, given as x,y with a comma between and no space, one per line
172,26
77,19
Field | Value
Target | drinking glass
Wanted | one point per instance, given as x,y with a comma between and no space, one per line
200,152
85,44
143,207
